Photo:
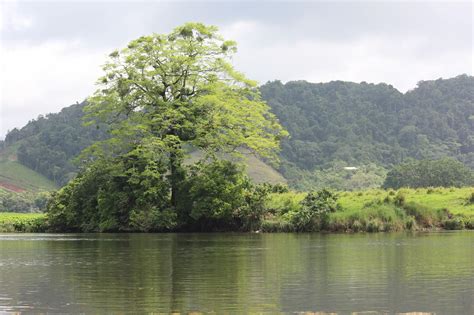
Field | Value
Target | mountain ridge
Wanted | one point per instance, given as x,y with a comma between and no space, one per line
331,125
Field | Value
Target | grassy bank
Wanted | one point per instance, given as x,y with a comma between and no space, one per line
379,210
22,222
363,211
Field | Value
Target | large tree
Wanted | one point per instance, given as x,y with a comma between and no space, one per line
179,91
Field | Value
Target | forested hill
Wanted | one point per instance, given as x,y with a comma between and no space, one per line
332,125
360,124
49,143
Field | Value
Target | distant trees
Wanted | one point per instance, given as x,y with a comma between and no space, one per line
50,143
363,124
23,202
430,173
329,123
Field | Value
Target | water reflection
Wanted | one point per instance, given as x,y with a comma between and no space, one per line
238,272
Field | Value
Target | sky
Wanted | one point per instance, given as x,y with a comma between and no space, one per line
51,52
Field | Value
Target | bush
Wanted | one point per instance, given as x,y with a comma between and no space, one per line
315,208
26,202
456,223
410,223
470,199
424,216
213,196
104,196
469,223
399,199
430,173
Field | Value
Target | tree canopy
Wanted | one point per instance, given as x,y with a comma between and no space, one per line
357,124
180,89
430,173
161,96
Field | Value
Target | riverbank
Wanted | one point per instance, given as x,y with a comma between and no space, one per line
373,210
379,210
23,222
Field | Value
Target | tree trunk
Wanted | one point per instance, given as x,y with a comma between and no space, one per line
176,176
173,179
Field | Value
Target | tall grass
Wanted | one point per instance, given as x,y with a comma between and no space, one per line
380,210
22,222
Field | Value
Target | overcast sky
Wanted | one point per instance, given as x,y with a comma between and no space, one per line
51,51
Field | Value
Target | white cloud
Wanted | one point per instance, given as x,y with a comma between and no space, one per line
43,78
400,61
51,52
11,19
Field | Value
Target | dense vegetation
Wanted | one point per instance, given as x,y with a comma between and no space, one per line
50,143
161,96
340,124
331,125
25,202
430,173
369,210
166,96
376,211
23,222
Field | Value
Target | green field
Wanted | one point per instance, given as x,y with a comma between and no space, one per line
22,222
380,210
17,177
455,200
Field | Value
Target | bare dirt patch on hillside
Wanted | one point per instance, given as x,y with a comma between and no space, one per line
11,187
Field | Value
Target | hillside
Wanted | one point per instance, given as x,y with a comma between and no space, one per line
16,177
44,150
339,124
369,127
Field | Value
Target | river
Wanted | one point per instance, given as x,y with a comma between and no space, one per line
237,273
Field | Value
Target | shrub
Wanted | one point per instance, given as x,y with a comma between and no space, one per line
455,223
469,223
399,199
446,172
410,223
315,208
470,199
424,216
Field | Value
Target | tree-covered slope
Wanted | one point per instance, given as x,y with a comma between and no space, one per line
356,124
47,146
369,126
15,177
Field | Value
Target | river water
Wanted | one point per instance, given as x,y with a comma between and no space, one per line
237,273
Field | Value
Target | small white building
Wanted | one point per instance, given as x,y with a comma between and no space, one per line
350,168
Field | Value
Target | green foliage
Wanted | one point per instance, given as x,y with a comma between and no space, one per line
426,173
50,143
23,222
471,198
337,177
127,193
314,211
360,124
211,192
160,96
376,211
456,223
179,90
332,125
218,195
25,202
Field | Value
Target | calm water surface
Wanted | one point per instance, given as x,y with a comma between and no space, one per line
237,273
